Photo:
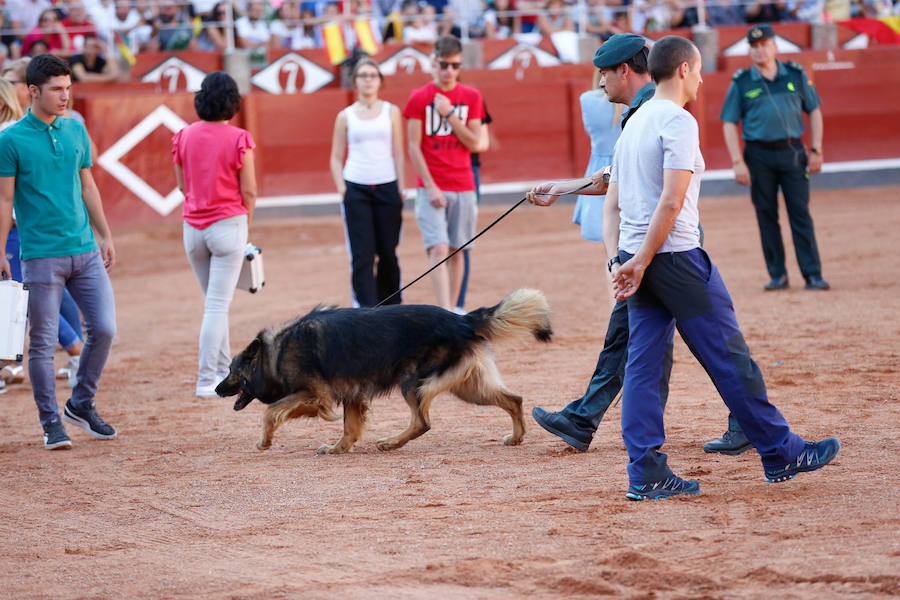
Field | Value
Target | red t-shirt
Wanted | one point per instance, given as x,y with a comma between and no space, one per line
448,160
211,156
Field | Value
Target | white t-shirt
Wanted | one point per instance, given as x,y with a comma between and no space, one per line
370,159
255,32
661,135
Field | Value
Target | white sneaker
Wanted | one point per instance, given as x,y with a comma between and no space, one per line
70,371
459,310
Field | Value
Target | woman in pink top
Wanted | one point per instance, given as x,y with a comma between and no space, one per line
214,168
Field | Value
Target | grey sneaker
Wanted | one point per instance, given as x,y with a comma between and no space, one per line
89,420
55,437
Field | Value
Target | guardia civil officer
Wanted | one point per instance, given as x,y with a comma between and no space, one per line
769,99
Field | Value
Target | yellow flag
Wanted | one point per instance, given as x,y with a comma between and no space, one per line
334,42
364,36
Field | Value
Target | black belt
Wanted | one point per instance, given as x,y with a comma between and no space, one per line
777,144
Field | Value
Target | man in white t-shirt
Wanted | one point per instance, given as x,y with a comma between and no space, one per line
651,216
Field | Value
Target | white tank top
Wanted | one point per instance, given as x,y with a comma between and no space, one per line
370,160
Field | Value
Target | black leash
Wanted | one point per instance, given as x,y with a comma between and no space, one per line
478,235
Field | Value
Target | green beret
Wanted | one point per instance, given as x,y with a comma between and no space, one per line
760,32
618,49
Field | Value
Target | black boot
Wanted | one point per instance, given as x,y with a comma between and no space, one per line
732,442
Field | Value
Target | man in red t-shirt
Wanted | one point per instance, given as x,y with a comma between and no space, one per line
443,126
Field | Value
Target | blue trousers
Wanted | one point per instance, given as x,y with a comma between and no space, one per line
86,279
685,287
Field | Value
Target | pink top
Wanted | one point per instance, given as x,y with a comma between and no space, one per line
211,155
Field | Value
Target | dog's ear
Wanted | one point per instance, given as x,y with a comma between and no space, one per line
254,348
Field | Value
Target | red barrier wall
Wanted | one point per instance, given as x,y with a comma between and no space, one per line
537,124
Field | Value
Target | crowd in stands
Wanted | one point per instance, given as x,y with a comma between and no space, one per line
86,32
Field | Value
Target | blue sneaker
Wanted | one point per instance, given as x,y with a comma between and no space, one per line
671,486
814,455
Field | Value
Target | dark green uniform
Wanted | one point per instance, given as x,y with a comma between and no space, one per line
771,113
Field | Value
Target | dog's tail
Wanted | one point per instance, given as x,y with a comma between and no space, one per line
522,312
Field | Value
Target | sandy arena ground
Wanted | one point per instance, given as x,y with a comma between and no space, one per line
182,505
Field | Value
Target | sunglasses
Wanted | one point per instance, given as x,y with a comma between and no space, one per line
367,75
443,64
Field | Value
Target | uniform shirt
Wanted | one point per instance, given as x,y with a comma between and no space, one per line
662,135
449,161
211,156
643,94
46,161
770,110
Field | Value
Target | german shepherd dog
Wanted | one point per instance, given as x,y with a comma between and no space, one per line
347,356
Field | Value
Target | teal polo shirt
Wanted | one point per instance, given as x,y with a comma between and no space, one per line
770,110
46,161
643,94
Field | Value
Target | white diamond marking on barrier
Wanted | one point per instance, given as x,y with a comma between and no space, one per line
314,76
109,160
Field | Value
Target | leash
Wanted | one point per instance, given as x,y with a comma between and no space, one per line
477,235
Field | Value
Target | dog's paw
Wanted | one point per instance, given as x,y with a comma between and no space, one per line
330,449
386,444
511,440
263,445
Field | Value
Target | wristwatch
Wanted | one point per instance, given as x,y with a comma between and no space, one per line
611,262
815,150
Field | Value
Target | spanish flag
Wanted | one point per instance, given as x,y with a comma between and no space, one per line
124,50
334,42
364,36
885,30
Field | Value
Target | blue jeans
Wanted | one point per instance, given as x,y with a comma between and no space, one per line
86,279
70,321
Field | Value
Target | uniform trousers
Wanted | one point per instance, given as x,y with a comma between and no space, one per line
686,287
785,167
373,218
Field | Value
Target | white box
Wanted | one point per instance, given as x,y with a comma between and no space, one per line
252,276
13,319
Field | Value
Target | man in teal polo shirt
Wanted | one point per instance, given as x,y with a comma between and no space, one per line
769,100
45,174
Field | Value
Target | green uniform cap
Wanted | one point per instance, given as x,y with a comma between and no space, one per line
760,32
618,49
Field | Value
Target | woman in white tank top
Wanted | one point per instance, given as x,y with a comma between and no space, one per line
369,130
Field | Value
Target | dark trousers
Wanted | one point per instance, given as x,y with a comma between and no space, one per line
372,214
685,287
785,168
588,411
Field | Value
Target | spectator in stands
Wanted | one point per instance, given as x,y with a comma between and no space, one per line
37,48
423,27
78,26
125,24
393,29
528,20
51,32
684,13
766,12
10,45
170,29
289,31
386,11
24,14
215,33
252,30
498,24
470,13
725,12
214,167
554,18
597,19
91,64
